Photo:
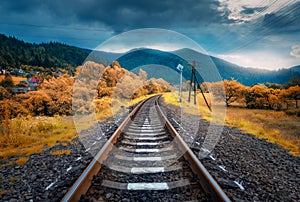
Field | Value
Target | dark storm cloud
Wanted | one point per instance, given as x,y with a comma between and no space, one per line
119,15
124,15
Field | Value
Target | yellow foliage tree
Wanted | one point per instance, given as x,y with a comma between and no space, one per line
293,93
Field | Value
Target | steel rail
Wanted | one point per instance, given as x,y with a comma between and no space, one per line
208,183
84,181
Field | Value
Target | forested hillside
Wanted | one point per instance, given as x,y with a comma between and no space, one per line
53,58
227,70
14,53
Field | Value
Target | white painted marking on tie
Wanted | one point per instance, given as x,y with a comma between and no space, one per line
136,170
147,150
148,186
155,158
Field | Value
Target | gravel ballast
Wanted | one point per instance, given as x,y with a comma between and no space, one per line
265,171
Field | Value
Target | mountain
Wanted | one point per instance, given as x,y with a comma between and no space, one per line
103,57
205,66
14,53
250,76
295,68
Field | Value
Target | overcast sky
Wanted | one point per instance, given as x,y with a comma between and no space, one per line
251,33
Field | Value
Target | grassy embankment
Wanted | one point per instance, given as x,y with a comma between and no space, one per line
22,136
276,126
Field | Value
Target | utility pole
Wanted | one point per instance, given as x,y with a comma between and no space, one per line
180,68
194,81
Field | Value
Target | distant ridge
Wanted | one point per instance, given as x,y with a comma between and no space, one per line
296,68
227,70
14,53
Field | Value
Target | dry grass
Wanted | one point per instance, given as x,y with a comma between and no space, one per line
23,136
276,127
189,107
28,135
107,107
61,152
15,79
2,192
21,161
137,100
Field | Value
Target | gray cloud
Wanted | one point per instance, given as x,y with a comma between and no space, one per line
285,20
295,52
119,15
249,11
87,23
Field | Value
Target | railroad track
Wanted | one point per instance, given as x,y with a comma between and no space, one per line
145,160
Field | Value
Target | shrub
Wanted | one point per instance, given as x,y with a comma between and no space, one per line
4,94
293,112
10,109
37,102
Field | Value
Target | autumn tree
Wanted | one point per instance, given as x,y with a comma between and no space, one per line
227,90
274,98
260,97
4,94
143,75
127,87
113,74
233,91
293,93
60,91
7,82
11,109
37,102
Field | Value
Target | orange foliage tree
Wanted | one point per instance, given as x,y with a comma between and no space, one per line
234,91
293,93
4,94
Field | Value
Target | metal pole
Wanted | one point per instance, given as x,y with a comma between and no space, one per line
180,88
195,86
180,68
190,88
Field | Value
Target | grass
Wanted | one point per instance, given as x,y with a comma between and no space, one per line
15,79
61,152
21,161
275,126
107,107
23,136
137,100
